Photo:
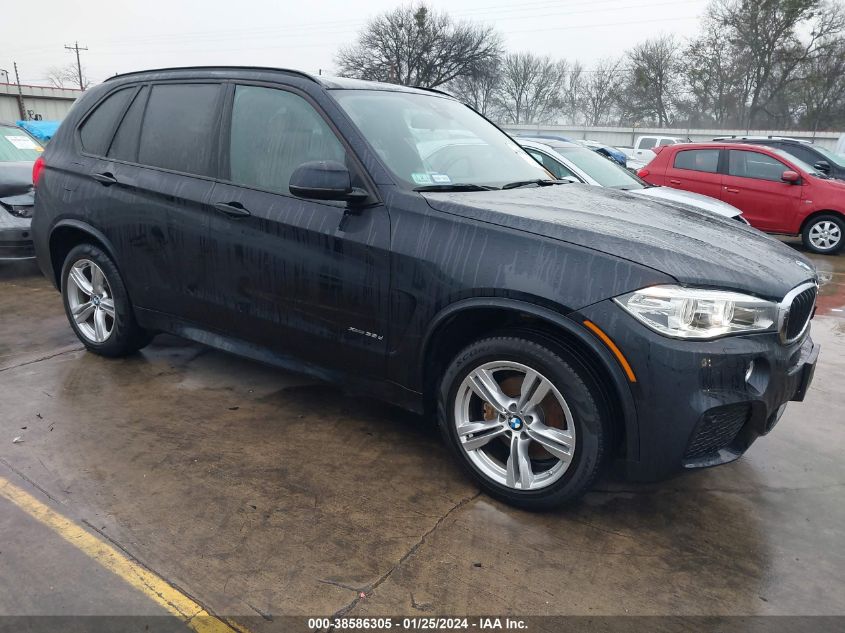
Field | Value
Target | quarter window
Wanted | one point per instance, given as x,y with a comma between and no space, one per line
178,127
97,130
706,160
755,165
273,132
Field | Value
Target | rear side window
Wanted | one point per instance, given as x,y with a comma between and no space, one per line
97,129
178,127
706,160
755,165
273,132
125,143
647,142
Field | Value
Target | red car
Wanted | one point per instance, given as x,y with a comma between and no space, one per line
775,191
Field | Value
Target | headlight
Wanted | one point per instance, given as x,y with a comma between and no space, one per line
696,313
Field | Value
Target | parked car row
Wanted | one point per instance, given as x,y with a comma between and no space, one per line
776,192
570,160
393,240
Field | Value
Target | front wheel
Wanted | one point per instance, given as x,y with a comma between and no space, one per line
523,422
824,234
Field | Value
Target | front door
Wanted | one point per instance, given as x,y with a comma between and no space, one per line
754,185
300,276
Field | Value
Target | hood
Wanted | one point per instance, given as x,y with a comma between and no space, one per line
695,247
696,200
15,178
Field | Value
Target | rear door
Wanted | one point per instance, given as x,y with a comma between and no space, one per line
695,170
298,276
753,184
156,184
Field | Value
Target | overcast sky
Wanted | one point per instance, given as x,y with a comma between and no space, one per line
134,34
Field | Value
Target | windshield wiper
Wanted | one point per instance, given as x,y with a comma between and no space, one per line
456,186
538,181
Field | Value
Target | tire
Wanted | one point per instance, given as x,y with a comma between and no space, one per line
580,439
824,234
109,327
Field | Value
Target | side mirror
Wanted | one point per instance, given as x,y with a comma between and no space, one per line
792,177
822,166
325,180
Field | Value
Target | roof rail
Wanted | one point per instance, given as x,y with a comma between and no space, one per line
290,71
435,90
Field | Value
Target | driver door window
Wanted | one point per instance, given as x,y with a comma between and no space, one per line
273,132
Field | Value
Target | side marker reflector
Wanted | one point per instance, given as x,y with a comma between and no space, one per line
595,329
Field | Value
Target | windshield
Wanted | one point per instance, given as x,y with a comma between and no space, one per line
832,157
426,140
603,170
800,164
17,145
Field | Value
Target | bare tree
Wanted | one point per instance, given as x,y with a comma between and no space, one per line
480,88
416,46
653,81
770,40
821,93
572,89
66,77
601,91
712,79
531,89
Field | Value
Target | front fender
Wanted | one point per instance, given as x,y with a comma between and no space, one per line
572,330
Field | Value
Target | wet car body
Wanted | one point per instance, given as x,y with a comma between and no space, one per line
381,295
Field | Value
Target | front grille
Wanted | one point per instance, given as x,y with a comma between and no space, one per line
717,429
800,311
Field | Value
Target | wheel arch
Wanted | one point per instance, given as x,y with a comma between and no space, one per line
67,234
466,321
818,213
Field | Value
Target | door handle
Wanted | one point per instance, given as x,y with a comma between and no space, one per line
672,181
105,178
730,190
232,209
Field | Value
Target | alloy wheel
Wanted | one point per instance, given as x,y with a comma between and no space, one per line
514,425
825,235
90,301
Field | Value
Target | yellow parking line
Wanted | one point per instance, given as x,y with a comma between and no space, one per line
148,583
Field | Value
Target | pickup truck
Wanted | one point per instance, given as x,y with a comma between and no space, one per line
641,153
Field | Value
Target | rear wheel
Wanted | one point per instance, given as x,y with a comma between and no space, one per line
97,305
824,234
523,422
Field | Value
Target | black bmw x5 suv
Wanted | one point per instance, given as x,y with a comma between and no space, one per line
395,241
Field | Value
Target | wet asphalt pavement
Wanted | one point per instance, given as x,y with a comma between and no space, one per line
259,493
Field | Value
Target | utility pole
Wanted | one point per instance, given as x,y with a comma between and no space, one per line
20,93
76,48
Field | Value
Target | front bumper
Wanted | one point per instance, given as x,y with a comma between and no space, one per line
694,405
15,236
